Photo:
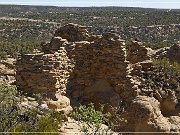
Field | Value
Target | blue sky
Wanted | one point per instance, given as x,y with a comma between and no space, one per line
130,3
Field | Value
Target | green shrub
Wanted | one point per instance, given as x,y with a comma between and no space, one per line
46,124
8,108
158,45
166,64
165,75
88,119
14,119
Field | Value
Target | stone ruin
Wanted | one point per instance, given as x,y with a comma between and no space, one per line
137,53
80,67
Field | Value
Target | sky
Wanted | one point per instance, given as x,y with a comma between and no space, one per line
169,4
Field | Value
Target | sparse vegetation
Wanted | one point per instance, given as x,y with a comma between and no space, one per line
90,120
32,25
16,119
168,65
23,28
165,76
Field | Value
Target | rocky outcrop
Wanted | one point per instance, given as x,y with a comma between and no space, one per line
78,67
147,116
7,71
154,88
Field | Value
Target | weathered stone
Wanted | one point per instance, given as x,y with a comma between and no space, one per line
148,118
72,32
62,104
173,53
88,68
137,52
7,71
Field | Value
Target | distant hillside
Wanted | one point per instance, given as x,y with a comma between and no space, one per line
23,28
26,8
96,16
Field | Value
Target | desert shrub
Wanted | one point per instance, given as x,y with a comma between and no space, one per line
170,71
88,119
158,45
15,48
165,75
46,124
8,108
166,64
15,119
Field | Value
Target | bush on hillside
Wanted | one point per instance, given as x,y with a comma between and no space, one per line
88,119
15,119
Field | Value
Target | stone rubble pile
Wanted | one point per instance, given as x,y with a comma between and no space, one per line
80,67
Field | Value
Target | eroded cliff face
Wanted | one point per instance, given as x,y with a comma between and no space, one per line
80,67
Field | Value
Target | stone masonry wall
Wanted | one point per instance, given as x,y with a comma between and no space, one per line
86,70
80,67
137,52
46,74
100,69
